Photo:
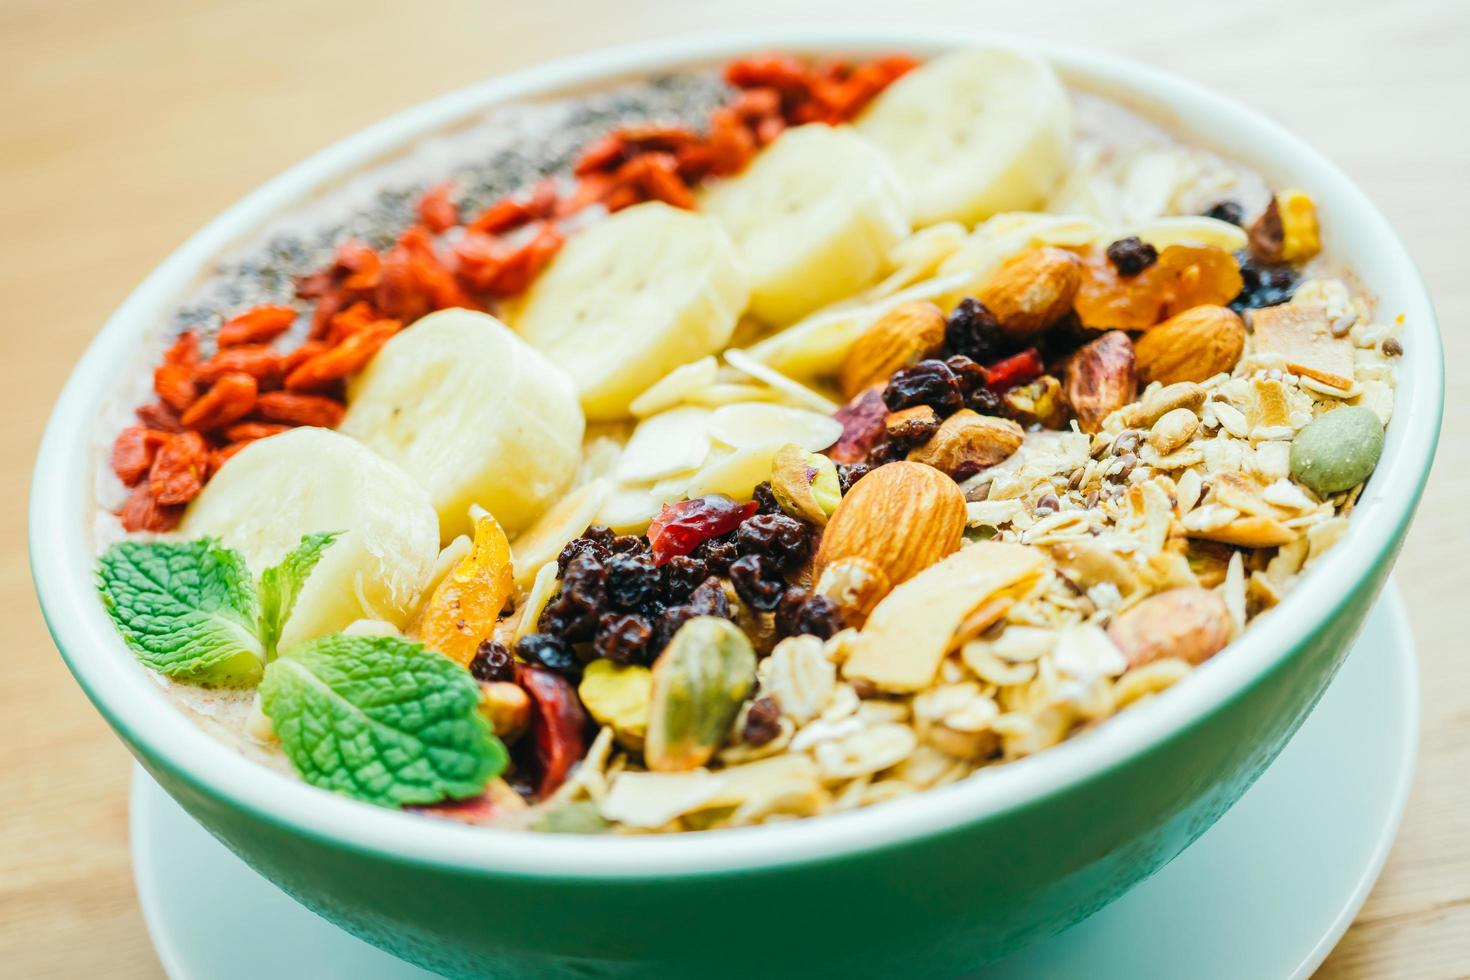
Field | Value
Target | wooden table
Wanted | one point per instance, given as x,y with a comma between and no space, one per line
125,126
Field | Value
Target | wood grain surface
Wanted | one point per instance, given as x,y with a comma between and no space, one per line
125,126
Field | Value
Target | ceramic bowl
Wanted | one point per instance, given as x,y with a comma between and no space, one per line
930,885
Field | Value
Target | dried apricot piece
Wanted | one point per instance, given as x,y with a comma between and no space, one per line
1185,276
463,609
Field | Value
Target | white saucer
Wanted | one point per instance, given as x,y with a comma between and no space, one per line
1267,892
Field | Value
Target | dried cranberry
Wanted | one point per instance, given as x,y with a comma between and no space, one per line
757,581
548,651
558,734
493,662
972,330
1015,370
632,580
765,499
717,554
681,574
680,527
1230,211
783,541
1132,255
850,473
929,383
862,427
762,722
623,639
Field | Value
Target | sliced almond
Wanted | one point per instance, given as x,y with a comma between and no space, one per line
1300,333
675,386
799,393
910,631
735,474
756,424
569,517
664,444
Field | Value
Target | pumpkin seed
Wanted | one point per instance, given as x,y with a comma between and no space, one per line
1337,451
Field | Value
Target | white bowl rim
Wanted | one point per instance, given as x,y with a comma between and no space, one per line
62,555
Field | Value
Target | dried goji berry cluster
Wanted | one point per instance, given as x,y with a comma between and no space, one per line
210,408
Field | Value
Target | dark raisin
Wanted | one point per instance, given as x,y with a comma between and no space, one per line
623,639
600,534
628,544
972,330
1132,255
493,662
765,499
632,580
801,612
576,548
783,541
757,581
548,651
970,374
929,383
1230,211
717,554
572,613
1263,285
850,473
985,401
709,599
680,576
762,722
883,454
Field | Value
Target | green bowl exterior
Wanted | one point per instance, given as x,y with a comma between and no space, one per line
934,906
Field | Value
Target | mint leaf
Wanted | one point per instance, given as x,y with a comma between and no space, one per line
380,719
187,609
281,584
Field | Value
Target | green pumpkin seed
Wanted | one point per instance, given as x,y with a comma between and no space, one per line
1337,451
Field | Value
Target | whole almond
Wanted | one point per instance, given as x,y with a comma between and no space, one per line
968,442
895,522
1100,379
1194,345
1032,291
900,338
1191,623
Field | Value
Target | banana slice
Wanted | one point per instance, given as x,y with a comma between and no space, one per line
473,413
632,298
814,218
973,133
275,490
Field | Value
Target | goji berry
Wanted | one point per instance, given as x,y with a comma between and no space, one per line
178,470
436,210
293,408
779,72
250,431
258,325
157,415
173,380
302,354
348,357
218,457
358,316
657,176
591,188
260,361
230,398
133,451
414,280
143,513
606,152
731,142
353,275
517,268
479,259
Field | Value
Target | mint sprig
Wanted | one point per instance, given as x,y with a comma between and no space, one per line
281,584
187,609
380,719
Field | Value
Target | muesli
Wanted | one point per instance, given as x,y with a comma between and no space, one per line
734,447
